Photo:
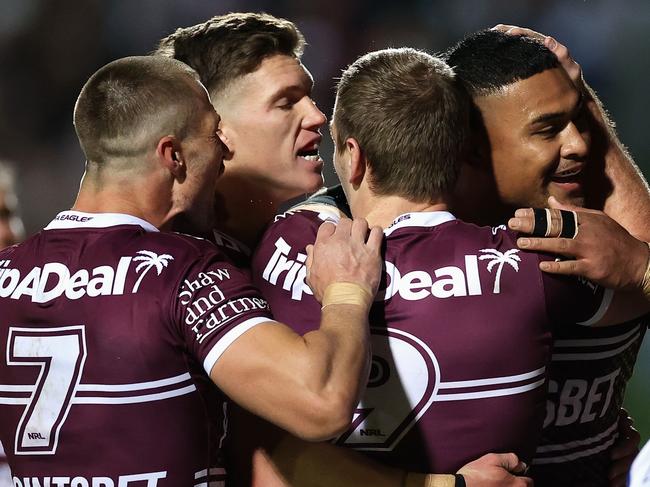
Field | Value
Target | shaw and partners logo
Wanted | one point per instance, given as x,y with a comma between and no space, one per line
443,282
55,279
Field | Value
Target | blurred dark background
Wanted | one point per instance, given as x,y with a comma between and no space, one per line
48,48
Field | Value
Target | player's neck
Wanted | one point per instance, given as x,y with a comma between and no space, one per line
244,208
382,211
136,201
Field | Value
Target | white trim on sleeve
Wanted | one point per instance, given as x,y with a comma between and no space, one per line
227,340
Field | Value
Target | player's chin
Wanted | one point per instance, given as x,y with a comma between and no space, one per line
571,196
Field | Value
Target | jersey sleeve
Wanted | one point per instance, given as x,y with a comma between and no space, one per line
278,268
214,304
574,300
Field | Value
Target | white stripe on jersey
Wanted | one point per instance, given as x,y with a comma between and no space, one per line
532,377
218,483
179,390
9,388
493,393
135,386
495,380
574,456
573,444
596,355
134,399
596,342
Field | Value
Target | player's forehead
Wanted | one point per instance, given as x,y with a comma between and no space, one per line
530,100
277,73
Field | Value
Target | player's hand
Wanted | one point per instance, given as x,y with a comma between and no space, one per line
496,470
562,53
602,251
345,252
625,450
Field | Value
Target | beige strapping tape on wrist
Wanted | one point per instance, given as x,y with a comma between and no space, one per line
645,284
346,293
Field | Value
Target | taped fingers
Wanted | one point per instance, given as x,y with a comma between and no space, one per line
569,224
554,223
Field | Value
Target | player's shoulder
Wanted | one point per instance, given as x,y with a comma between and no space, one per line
332,197
498,235
180,242
304,219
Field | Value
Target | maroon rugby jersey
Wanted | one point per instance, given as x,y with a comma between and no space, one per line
108,330
588,374
461,336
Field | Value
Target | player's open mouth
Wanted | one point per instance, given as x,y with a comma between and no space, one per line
570,175
309,154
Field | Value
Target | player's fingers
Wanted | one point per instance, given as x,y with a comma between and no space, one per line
554,203
325,231
502,27
359,230
522,223
564,267
343,228
562,246
545,222
375,238
511,463
627,445
521,31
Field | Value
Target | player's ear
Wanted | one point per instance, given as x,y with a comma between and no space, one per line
227,140
357,162
170,155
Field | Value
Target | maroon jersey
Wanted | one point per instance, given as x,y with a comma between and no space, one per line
588,374
461,336
108,331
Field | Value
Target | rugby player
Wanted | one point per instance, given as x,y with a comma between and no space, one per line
398,127
115,334
250,65
545,133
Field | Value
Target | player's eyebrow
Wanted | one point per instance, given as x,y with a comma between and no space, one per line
558,116
288,91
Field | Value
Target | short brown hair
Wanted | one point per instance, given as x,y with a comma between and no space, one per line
126,106
233,45
410,118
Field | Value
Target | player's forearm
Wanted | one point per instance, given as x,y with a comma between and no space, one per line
628,199
339,357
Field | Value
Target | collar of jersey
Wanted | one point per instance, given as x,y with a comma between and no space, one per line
79,219
419,219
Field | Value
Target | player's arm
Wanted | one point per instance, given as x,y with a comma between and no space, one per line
613,181
274,458
310,385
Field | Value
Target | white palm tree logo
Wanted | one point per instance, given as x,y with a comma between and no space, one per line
508,257
149,260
